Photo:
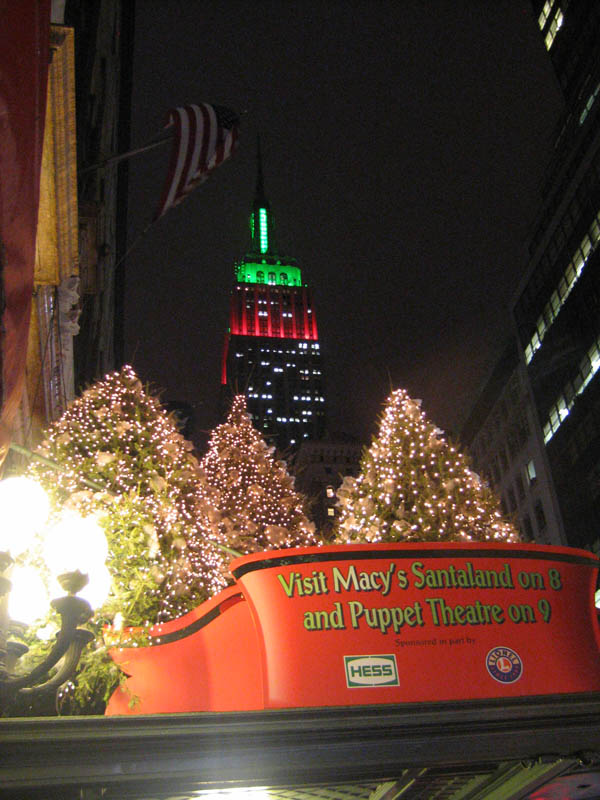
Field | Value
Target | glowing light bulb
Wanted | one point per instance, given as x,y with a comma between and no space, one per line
28,600
74,543
98,588
24,508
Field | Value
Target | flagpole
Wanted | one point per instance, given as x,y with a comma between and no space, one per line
122,156
135,243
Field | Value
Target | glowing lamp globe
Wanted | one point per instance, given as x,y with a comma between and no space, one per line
98,588
74,543
28,599
24,508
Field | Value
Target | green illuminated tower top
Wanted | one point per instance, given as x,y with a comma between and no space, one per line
263,264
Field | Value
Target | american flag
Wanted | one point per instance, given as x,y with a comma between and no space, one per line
205,136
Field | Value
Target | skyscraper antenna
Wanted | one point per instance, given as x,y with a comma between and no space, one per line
260,187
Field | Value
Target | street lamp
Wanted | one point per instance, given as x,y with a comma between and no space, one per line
74,550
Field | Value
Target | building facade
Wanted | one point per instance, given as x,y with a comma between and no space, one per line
320,467
503,438
557,305
103,68
272,352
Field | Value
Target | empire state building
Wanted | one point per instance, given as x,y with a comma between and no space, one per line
272,353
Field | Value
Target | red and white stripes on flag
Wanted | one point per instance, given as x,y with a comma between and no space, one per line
205,136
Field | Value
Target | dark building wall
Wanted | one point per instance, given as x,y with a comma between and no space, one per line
557,307
103,65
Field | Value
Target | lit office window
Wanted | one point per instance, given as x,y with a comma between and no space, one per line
554,28
588,368
530,472
565,286
543,17
588,106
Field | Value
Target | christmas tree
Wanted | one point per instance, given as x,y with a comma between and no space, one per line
415,486
246,496
117,438
116,454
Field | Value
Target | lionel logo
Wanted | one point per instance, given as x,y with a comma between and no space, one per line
504,665
370,671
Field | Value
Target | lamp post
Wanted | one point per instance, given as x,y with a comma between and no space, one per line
74,550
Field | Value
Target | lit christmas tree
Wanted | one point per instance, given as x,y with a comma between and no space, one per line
118,438
246,497
414,486
115,454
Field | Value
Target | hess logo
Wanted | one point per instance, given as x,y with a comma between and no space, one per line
371,671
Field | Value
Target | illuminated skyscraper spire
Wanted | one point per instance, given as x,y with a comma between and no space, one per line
261,222
272,351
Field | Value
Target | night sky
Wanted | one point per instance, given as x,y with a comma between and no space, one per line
403,146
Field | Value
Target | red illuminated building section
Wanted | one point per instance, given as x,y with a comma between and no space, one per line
278,311
272,352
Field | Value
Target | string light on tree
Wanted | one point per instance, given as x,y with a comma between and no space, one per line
121,459
247,497
118,437
415,486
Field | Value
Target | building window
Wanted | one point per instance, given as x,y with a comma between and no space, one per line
495,474
530,473
283,278
594,481
554,28
565,286
540,517
330,491
588,106
520,487
528,528
330,511
543,17
272,278
260,276
588,367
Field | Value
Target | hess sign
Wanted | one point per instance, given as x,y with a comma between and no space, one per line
364,671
